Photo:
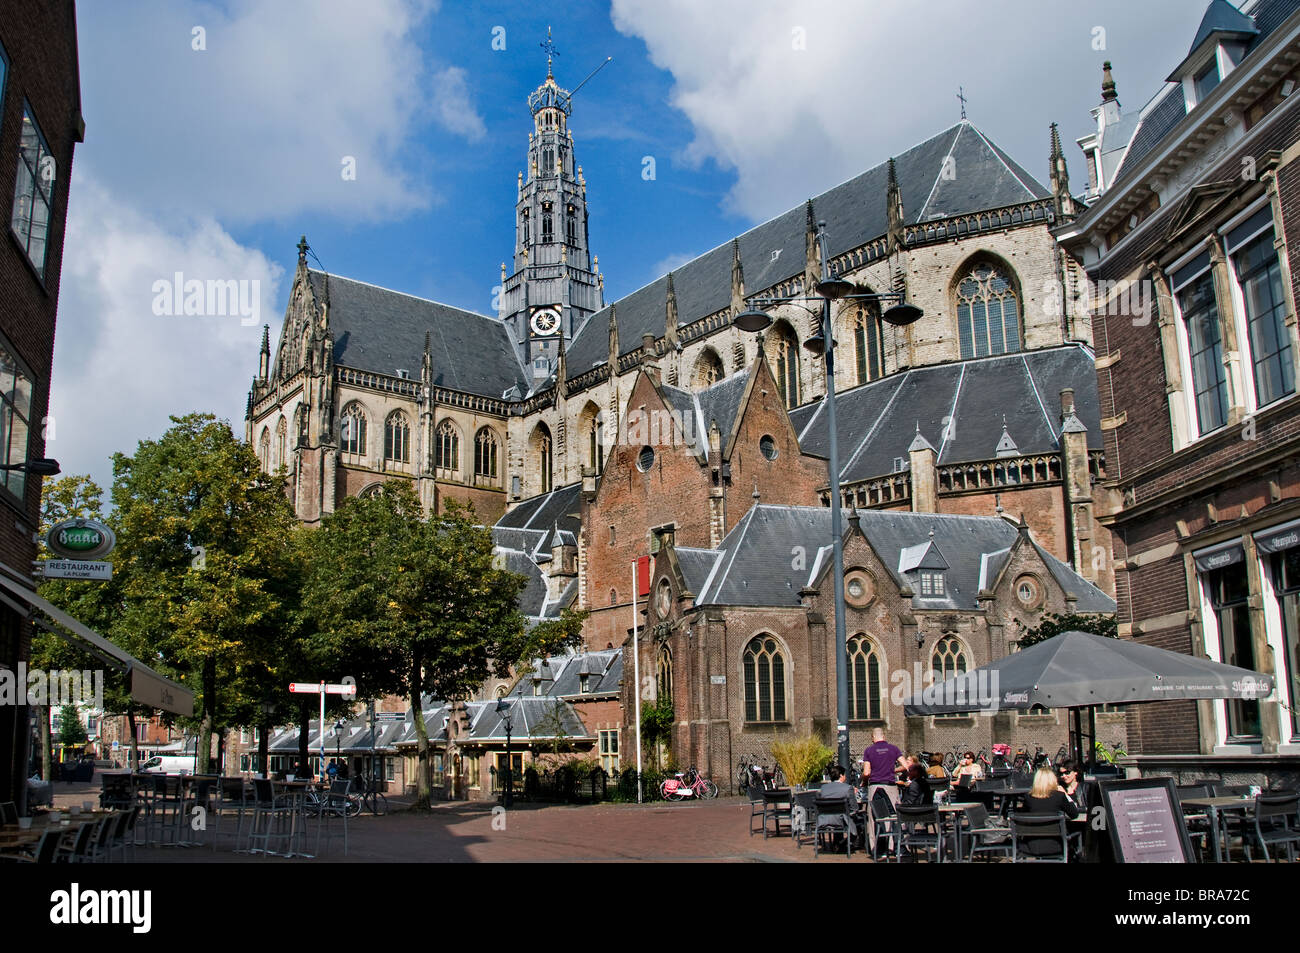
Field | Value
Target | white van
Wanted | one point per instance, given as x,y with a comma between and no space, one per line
169,764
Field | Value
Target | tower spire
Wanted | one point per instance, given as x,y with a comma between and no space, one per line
1108,91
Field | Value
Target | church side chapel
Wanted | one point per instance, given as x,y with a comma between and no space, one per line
590,432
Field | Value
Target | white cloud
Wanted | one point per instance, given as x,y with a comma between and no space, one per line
798,95
119,369
257,125
455,112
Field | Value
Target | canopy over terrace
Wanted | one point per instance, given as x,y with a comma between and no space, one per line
1078,670
147,686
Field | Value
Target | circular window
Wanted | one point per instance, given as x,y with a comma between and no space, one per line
663,599
768,447
859,588
1029,592
646,459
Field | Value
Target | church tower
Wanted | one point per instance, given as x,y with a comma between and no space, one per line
554,285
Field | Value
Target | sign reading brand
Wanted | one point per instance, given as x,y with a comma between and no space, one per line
80,539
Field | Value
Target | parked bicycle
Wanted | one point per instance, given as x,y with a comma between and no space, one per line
688,784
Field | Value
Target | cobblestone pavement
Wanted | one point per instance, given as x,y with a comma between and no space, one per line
461,832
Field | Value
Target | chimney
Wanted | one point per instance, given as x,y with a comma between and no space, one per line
925,477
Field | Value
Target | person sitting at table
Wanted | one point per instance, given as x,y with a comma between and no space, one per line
836,786
918,790
1046,797
1072,783
936,767
969,768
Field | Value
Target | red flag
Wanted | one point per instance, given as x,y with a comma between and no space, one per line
643,576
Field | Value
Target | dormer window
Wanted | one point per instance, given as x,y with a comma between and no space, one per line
1205,81
584,683
931,583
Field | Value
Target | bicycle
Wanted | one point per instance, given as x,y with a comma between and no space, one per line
690,780
371,798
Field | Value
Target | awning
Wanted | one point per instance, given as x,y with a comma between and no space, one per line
147,686
1278,538
1217,557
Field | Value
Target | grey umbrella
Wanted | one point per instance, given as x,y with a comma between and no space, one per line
1080,670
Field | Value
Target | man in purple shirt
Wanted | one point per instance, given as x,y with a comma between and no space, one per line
880,763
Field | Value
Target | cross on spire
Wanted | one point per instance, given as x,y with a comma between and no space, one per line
551,51
961,94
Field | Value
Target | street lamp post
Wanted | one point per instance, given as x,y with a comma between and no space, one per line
508,782
338,742
832,288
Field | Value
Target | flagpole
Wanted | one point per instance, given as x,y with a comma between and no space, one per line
636,675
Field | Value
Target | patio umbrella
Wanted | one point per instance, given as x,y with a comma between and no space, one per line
1077,670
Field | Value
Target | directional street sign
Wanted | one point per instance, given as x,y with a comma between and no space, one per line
314,687
76,569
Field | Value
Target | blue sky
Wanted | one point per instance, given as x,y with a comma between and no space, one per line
212,161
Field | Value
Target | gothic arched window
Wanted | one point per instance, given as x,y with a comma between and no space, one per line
548,226
524,221
352,430
541,447
264,449
281,443
708,369
988,312
948,660
864,679
485,454
868,345
785,363
447,447
764,666
664,674
397,438
571,225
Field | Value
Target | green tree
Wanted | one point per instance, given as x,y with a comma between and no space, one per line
1052,624
207,560
415,606
72,733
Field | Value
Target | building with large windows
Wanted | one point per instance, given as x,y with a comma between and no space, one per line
1186,245
40,125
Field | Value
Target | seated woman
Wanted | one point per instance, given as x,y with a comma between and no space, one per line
936,767
1047,797
969,768
918,790
1072,783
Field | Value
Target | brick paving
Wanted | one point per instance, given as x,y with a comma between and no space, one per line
714,831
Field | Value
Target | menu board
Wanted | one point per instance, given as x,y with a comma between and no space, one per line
1145,821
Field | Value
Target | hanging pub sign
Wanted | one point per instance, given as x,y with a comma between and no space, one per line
80,539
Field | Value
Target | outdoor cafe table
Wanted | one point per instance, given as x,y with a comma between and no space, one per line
1213,807
949,812
13,838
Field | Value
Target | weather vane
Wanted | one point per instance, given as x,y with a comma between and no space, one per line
549,47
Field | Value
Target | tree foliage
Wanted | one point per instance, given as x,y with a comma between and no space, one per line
1053,624
415,606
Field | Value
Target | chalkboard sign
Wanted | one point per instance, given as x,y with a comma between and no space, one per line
1145,822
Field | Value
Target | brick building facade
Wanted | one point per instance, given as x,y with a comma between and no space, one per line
40,125
1187,252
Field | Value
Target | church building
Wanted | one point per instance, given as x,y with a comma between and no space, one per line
592,433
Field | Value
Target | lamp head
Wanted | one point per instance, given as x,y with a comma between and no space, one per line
752,320
902,314
834,288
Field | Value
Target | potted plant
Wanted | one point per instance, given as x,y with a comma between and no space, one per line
802,760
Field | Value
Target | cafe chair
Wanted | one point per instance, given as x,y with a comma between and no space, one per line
46,850
1277,823
884,825
757,806
777,807
74,845
803,818
831,820
1039,838
231,804
8,813
919,830
986,836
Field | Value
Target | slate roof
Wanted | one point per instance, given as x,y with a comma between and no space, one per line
854,212
959,408
604,671
756,568
696,564
530,719
379,330
544,511
354,738
699,409
1167,108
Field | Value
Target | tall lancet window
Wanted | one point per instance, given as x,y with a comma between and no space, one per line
988,314
548,227
524,223
571,225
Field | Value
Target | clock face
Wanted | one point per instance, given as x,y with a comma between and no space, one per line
545,321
